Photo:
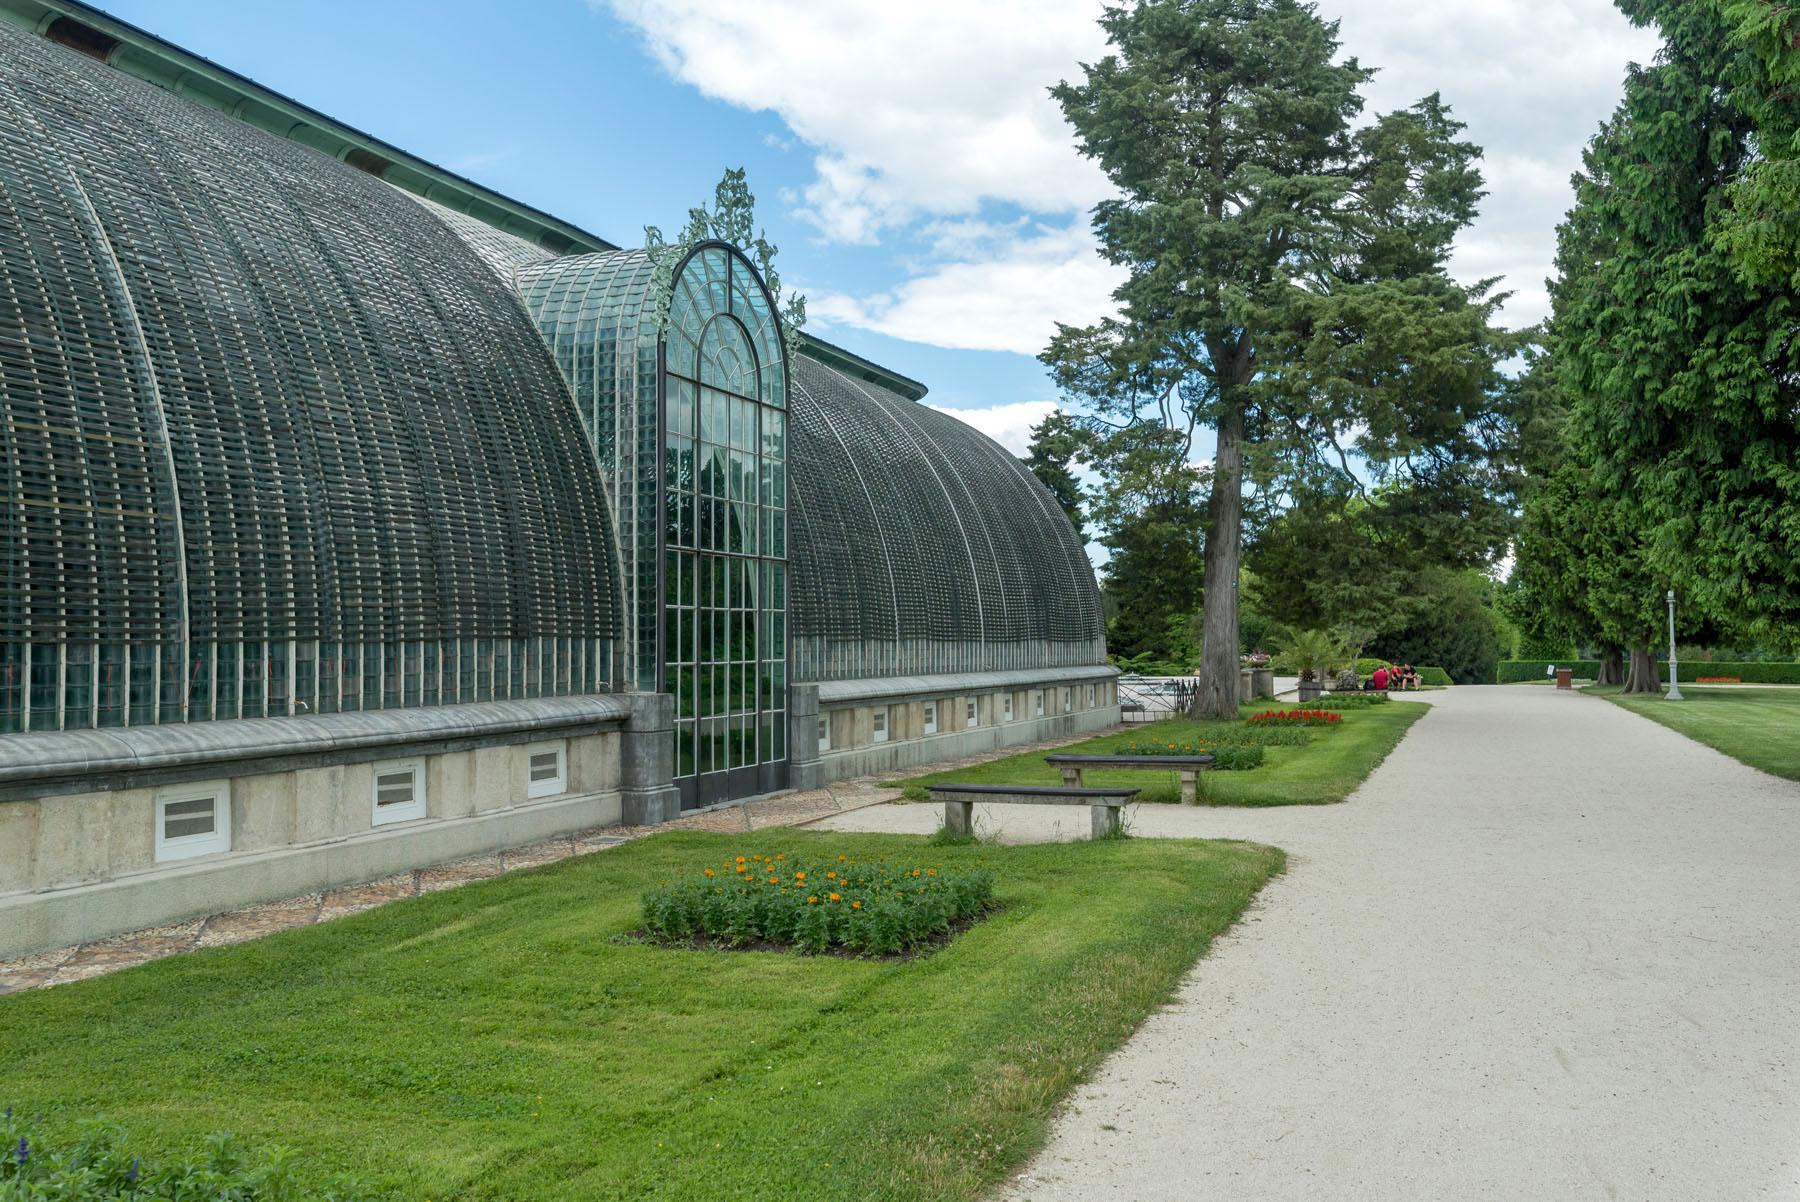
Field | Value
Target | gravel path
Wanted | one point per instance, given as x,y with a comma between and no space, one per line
1549,950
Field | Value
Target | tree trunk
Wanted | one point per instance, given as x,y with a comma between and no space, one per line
1612,671
1643,677
1216,692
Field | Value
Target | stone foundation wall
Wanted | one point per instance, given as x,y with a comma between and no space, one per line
851,712
85,863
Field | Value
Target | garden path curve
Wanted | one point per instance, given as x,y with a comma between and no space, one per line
1547,951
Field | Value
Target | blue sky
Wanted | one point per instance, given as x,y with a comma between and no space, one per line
922,187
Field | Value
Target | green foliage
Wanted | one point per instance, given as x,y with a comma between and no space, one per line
877,908
1432,674
1287,285
1761,229
1150,520
1450,620
1680,370
1056,444
1227,757
1365,667
1522,671
98,1163
1513,671
1300,768
1312,654
1348,701
731,218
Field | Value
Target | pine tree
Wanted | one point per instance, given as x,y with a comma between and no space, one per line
1286,285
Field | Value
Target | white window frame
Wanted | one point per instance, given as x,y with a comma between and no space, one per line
553,786
878,724
408,811
1068,699
974,712
931,716
824,732
186,847
1006,707
1037,701
1092,690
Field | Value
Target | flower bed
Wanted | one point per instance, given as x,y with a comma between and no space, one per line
1313,717
1227,757
1349,701
1717,680
877,908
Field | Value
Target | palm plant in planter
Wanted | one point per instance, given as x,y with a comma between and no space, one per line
1313,655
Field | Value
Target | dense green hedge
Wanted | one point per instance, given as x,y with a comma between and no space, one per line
1750,672
1428,674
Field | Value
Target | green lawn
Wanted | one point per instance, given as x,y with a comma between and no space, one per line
500,1041
1325,770
1761,727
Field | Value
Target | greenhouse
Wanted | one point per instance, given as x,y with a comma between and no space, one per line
347,498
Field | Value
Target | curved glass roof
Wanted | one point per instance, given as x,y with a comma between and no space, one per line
256,394
920,546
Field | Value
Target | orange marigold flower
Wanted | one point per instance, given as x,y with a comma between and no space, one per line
812,901
836,897
841,859
799,876
856,905
915,872
931,872
831,876
709,872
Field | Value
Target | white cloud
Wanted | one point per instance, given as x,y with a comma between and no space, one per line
924,111
993,294
922,108
1009,425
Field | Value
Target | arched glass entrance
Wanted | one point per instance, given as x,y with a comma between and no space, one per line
725,531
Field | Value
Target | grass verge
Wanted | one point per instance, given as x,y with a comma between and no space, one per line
501,1041
1325,770
1761,727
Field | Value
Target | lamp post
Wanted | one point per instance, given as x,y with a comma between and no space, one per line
1674,693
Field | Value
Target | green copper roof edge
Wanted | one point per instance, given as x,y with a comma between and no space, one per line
167,65
853,364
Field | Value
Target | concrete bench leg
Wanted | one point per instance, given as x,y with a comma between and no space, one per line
1071,775
959,817
1106,820
1189,785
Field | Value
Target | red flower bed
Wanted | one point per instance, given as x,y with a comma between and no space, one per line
1717,680
1297,718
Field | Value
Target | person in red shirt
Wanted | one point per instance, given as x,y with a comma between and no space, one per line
1381,680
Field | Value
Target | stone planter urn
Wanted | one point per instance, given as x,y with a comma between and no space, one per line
1262,682
1310,690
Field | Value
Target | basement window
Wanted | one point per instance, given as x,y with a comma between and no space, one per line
824,732
193,820
1037,703
879,733
931,717
1006,707
547,769
399,794
974,715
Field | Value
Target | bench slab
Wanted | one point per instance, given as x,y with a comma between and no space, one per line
960,802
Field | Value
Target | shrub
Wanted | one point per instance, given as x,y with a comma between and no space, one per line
1748,671
866,907
1349,701
1365,667
1429,674
98,1164
1313,717
1227,757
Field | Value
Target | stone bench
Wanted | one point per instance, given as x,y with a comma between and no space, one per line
1189,766
960,801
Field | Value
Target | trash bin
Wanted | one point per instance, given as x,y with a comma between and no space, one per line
1565,679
